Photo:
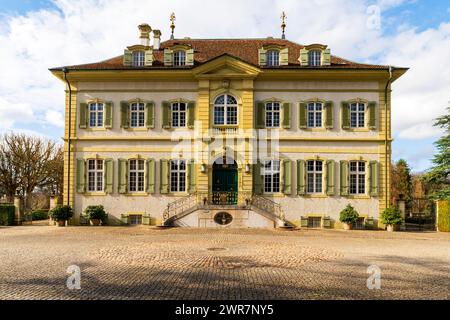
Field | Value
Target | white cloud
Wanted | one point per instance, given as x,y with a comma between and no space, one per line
91,30
54,118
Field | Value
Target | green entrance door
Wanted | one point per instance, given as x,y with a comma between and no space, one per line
225,183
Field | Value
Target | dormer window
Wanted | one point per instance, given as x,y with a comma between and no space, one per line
314,58
315,55
179,58
273,58
138,58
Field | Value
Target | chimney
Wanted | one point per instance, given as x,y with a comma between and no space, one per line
144,34
156,39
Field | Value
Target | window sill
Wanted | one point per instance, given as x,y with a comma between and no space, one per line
274,195
358,130
318,195
358,197
90,194
96,129
316,129
137,129
137,194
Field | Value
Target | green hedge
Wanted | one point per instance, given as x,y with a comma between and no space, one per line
444,216
7,212
40,215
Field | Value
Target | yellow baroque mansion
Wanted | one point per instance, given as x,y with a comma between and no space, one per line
227,133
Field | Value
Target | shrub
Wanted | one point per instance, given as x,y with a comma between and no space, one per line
40,215
444,216
391,216
95,212
349,215
7,214
61,213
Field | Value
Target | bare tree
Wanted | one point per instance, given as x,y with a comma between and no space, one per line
55,173
9,172
29,160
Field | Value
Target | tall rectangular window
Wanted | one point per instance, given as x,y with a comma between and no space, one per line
138,58
357,177
95,175
273,114
178,114
96,115
315,114
314,171
137,115
271,173
178,175
314,58
179,58
357,115
136,174
273,58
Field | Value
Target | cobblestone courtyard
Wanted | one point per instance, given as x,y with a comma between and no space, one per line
148,263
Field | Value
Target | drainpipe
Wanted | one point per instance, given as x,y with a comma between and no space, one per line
66,71
388,83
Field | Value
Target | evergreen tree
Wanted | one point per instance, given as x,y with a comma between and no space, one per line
401,182
439,174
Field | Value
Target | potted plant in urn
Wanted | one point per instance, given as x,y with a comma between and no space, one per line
391,217
61,214
348,217
96,214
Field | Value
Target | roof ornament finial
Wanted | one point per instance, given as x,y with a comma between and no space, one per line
172,25
283,24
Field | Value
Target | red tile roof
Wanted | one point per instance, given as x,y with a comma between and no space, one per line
208,49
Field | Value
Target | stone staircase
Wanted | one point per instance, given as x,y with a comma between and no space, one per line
181,208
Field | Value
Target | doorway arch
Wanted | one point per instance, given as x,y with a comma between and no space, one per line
225,181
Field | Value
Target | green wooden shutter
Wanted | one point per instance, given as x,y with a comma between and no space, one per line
374,176
287,174
344,178
148,58
108,115
166,115
109,175
303,57
345,113
262,55
190,57
260,115
124,115
83,115
164,176
301,177
81,176
257,178
150,175
150,106
191,178
286,115
123,174
302,108
284,57
326,57
191,114
168,57
127,58
329,118
330,178
372,115
304,222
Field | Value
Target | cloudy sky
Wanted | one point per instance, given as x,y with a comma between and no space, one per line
38,34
